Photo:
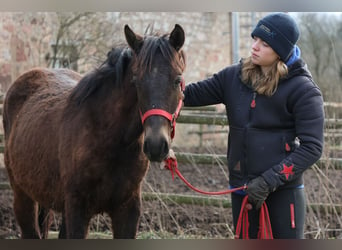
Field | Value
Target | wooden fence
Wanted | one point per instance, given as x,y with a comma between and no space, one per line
209,116
184,199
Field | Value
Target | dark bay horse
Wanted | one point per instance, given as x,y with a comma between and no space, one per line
82,145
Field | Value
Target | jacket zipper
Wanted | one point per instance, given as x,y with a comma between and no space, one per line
252,106
253,102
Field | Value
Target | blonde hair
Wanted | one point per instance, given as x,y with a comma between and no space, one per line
265,84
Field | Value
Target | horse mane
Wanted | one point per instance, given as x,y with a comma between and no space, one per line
113,68
118,61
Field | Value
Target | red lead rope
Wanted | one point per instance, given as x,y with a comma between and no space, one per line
171,164
265,229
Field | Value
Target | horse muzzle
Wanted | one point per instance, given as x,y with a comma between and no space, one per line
157,135
156,143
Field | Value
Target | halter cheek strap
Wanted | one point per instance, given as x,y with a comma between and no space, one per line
160,112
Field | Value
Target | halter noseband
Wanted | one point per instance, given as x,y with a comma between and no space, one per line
160,112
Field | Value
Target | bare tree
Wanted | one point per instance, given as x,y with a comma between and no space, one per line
337,41
320,43
80,37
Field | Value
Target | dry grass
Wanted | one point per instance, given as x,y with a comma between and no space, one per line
165,218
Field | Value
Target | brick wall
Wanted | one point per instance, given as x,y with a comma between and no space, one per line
26,38
207,44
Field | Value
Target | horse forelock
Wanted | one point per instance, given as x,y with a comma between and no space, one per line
151,45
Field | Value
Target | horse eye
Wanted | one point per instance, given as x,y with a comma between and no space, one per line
178,80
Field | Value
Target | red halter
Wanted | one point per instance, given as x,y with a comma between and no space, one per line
171,117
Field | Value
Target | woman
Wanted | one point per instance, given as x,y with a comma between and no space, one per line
276,117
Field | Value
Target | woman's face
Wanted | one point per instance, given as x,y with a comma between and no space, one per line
262,54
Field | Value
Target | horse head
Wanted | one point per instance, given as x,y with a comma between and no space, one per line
157,68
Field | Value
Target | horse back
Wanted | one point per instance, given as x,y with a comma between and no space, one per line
27,85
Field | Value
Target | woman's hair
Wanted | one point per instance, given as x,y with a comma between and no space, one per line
265,84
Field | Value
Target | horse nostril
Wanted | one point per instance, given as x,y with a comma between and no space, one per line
164,149
156,150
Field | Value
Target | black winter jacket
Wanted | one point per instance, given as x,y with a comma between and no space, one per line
277,137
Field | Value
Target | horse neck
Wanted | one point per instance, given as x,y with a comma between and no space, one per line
119,108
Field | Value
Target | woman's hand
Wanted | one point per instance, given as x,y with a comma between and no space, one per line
257,190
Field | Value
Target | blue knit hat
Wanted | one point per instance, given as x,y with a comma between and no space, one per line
280,31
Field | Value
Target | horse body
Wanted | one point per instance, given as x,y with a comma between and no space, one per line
75,144
35,121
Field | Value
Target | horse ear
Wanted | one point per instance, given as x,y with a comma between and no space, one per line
177,37
134,41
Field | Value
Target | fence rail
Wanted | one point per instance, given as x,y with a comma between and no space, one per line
184,157
208,116
193,158
182,199
220,119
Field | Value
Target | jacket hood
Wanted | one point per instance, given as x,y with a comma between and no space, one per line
298,68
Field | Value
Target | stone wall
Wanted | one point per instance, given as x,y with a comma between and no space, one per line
26,39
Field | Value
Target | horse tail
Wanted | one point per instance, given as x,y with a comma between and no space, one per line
20,91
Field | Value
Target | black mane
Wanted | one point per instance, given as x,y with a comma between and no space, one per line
118,61
114,68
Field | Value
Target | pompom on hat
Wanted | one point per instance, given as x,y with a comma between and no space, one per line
280,32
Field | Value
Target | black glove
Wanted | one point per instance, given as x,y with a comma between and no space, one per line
257,190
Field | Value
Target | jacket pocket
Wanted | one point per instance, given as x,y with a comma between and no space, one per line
235,152
266,148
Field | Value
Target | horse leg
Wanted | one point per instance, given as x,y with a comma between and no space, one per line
62,230
76,218
125,219
44,221
26,213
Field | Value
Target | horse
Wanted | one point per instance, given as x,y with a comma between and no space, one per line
81,145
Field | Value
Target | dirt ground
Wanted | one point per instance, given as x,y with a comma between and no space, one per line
197,221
